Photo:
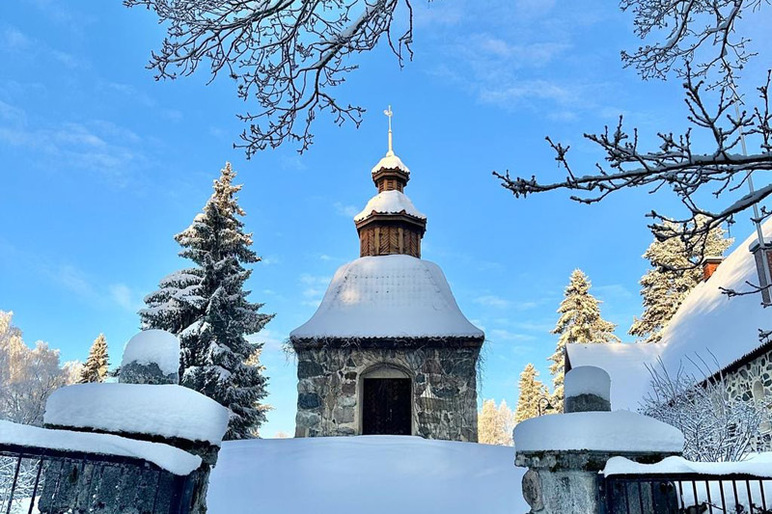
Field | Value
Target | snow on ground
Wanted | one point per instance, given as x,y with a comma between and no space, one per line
157,346
373,474
620,431
367,295
758,464
389,202
165,410
164,456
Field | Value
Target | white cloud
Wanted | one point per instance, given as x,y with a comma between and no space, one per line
272,340
492,301
123,296
500,334
95,145
346,210
15,40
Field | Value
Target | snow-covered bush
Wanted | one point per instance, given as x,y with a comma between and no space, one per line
716,426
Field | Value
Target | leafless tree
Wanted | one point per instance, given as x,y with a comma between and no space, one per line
706,33
286,54
701,42
676,164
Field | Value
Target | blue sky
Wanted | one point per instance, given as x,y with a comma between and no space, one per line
101,165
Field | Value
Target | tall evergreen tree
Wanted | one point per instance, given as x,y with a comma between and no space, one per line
579,322
207,307
672,276
531,391
95,368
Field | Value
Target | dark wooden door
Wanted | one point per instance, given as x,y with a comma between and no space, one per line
386,406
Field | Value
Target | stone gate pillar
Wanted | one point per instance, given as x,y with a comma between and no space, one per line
565,452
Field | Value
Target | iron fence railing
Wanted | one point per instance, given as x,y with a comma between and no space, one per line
57,482
685,493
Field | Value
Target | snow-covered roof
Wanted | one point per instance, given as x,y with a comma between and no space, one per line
158,346
164,456
712,327
389,202
164,410
388,296
709,332
374,474
620,431
626,365
390,161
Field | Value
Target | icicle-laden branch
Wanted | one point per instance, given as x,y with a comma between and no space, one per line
676,164
701,32
287,55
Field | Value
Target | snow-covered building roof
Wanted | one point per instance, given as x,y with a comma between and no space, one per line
714,328
709,333
626,365
389,202
390,162
388,296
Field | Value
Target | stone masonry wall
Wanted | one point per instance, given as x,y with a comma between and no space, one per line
741,383
444,389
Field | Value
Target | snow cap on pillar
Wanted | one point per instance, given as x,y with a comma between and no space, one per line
151,357
587,389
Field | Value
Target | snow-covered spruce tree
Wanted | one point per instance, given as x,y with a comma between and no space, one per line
95,368
176,304
494,424
531,392
671,277
579,322
207,307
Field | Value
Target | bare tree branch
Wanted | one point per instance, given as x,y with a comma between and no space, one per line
286,55
675,165
703,33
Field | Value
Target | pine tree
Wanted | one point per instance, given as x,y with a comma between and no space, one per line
671,278
207,307
531,393
579,322
95,368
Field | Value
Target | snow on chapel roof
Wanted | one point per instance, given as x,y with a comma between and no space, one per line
390,161
388,296
389,202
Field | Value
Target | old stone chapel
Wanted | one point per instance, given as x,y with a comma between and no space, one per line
388,351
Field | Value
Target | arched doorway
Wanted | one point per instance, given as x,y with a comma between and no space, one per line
386,395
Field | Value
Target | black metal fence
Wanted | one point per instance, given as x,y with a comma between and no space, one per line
58,482
686,494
